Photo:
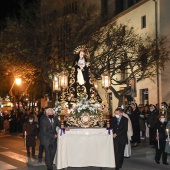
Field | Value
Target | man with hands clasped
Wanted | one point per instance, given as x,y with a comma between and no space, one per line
119,123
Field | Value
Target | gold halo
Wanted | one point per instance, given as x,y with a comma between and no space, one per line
81,48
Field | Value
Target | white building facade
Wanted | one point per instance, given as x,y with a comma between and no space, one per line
150,17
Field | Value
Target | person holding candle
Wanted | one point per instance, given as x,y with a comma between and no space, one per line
152,119
30,132
161,136
167,146
134,117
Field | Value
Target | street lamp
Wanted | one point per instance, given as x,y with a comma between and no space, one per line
18,83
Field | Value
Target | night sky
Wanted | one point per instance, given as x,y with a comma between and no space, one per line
9,9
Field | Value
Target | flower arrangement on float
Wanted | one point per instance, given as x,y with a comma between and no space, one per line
82,112
83,105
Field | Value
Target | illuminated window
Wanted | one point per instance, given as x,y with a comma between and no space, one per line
144,96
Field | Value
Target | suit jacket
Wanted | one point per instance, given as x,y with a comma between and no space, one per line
47,131
120,129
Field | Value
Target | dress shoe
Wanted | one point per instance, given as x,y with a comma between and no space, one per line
166,163
49,168
34,157
136,144
39,160
157,161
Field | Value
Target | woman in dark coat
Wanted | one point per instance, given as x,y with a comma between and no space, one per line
151,122
31,131
134,117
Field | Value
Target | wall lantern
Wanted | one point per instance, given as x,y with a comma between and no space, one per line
106,80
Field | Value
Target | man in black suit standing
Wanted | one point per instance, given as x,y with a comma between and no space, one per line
48,136
119,124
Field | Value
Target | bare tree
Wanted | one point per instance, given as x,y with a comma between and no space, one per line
126,56
35,46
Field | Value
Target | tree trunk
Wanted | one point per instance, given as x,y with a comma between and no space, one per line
119,96
120,100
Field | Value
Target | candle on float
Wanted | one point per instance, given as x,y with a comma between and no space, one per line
25,133
158,138
167,130
106,81
63,81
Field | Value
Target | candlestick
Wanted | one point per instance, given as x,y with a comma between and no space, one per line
167,130
25,133
158,138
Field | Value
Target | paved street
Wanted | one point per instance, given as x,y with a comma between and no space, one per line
13,157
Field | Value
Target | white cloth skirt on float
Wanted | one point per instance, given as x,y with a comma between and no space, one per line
127,152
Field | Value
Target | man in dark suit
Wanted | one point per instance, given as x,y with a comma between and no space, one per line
119,124
48,136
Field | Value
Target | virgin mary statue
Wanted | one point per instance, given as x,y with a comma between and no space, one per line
80,82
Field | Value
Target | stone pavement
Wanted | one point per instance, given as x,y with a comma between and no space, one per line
13,157
142,159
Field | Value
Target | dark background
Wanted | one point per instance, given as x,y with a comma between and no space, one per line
10,9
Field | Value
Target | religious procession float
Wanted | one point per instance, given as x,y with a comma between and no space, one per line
79,104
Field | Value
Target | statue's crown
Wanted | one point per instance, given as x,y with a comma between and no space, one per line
80,48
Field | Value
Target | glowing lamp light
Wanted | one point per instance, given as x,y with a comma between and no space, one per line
106,80
95,82
56,84
18,81
63,79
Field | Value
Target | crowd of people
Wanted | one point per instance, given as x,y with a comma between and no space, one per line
130,125
13,120
144,119
141,122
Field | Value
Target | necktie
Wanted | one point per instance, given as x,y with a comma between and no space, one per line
51,121
118,120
